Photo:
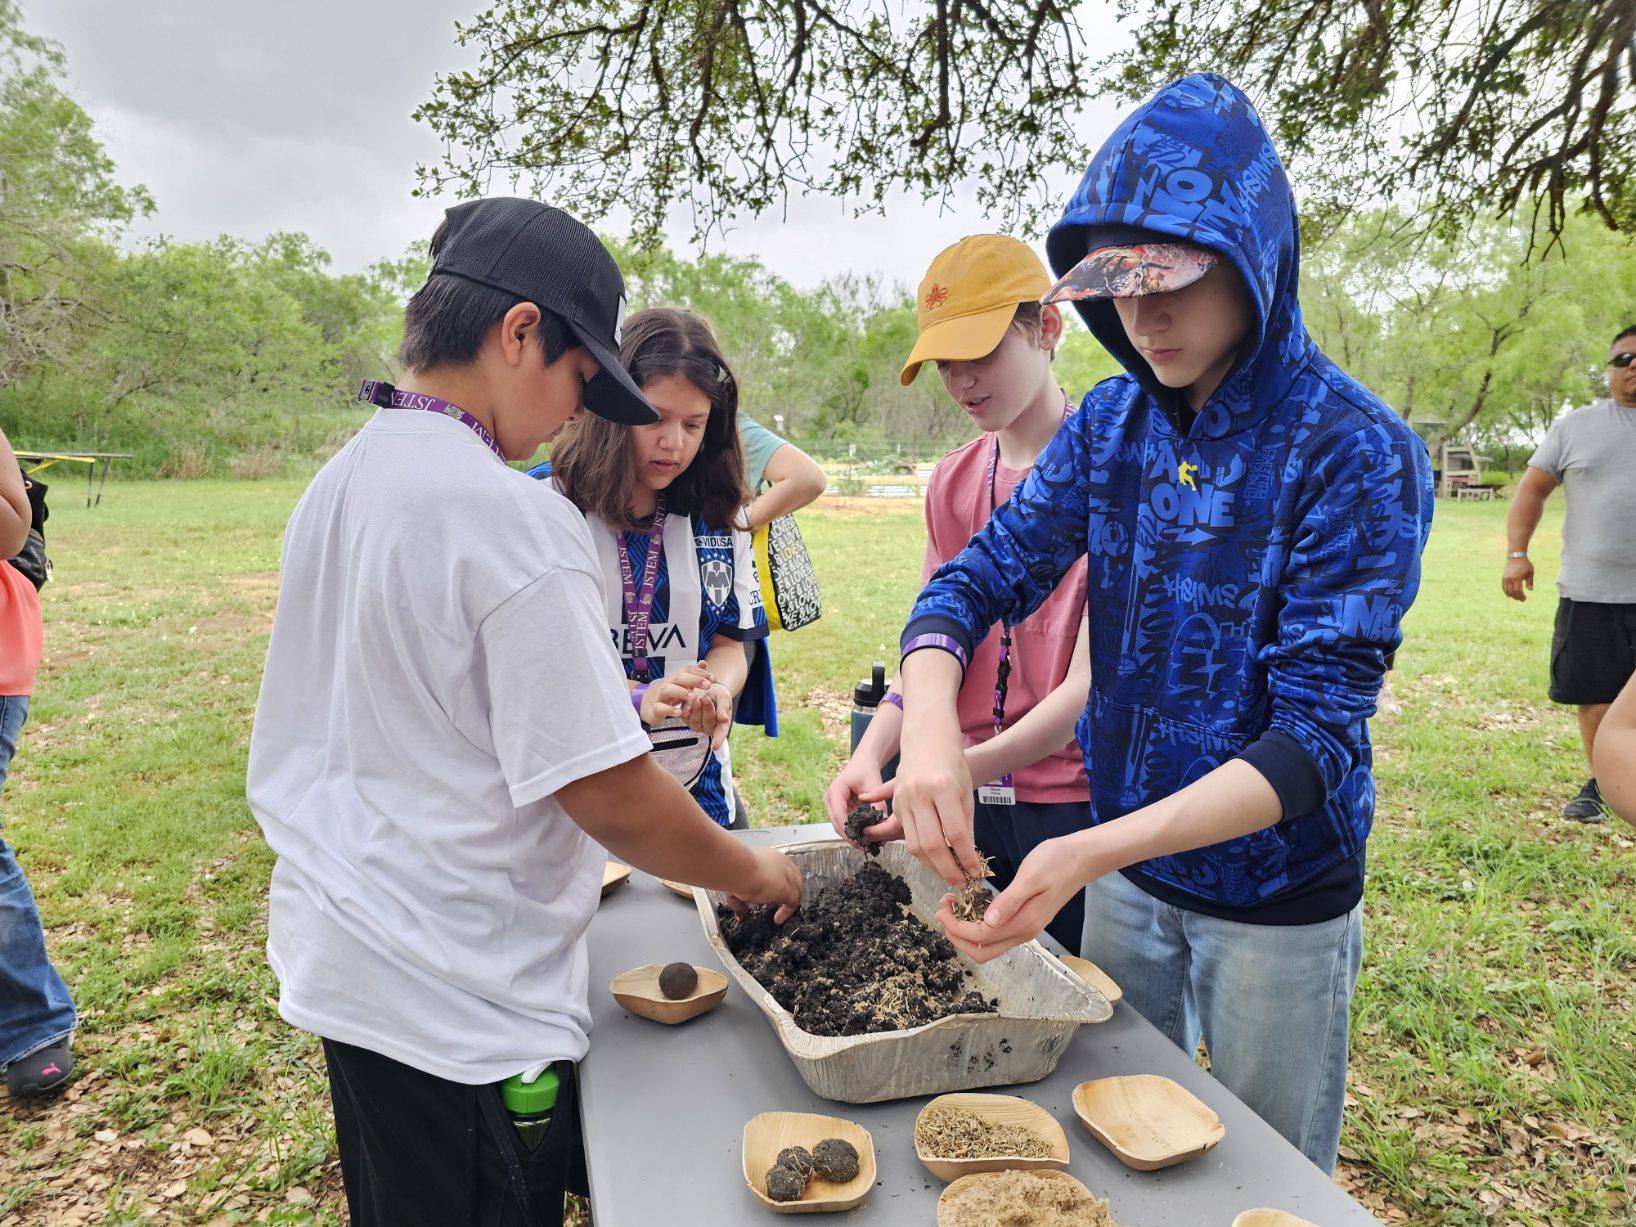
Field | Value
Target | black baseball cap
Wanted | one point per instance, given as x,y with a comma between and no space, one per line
554,261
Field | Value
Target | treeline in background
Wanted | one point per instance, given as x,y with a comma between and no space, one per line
241,357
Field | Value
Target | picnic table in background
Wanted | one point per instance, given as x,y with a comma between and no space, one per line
40,461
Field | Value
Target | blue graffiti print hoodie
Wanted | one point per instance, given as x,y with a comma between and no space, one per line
1249,566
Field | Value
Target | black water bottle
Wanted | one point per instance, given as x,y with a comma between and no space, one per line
866,700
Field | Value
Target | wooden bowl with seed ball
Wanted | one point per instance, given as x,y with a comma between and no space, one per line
1094,976
638,991
677,888
771,1132
1147,1121
614,875
1006,1110
1271,1218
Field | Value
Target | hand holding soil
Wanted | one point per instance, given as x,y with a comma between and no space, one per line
672,695
1049,876
854,960
778,882
863,818
715,713
846,791
933,802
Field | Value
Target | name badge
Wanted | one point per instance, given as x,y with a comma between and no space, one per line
1000,792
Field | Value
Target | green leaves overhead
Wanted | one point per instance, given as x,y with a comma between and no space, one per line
726,107
1462,108
713,109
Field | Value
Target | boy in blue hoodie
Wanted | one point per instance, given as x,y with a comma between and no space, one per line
1253,520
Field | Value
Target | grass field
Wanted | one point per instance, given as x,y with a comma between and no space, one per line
1494,1055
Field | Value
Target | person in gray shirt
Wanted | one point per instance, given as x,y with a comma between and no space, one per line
1591,454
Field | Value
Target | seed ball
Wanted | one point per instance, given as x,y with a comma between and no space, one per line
798,1159
677,980
835,1159
785,1185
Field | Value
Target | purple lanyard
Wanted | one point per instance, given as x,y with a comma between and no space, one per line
638,602
1002,673
387,397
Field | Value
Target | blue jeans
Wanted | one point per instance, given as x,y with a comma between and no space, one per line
1270,1001
35,1008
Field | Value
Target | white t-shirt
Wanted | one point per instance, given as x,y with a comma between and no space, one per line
439,668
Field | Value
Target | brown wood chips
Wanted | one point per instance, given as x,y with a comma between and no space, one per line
1023,1199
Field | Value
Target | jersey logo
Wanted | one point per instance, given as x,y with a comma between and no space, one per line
717,578
1186,473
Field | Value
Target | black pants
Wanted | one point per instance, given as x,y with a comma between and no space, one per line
420,1151
1593,652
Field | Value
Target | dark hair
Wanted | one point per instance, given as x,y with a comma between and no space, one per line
448,317
1628,332
592,462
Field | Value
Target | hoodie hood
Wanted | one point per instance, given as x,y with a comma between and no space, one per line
1195,163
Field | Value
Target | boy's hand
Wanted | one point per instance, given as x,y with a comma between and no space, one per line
1049,876
846,790
777,881
933,801
671,695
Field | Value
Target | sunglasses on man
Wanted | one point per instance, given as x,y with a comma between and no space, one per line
1621,360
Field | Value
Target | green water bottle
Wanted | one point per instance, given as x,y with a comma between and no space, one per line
530,1105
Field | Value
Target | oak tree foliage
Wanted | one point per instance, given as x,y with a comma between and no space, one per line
722,108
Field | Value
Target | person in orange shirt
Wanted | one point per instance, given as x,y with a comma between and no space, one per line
36,1012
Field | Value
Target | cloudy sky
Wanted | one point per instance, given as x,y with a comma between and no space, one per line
245,119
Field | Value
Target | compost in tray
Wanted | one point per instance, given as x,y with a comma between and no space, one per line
854,960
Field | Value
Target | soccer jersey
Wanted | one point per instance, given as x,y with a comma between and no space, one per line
706,588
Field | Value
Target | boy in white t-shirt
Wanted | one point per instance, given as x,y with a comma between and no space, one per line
444,737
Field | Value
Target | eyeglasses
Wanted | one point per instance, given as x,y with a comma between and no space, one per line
1621,360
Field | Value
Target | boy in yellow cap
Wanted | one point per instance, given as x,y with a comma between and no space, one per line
982,324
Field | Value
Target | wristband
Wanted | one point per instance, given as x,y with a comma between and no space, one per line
638,693
1518,554
894,698
947,642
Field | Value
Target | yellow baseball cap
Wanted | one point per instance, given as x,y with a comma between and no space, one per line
969,297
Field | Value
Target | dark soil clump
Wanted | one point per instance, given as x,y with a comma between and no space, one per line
835,1160
798,1159
677,980
853,960
785,1185
857,821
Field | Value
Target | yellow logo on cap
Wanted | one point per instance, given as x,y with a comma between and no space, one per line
936,297
1186,473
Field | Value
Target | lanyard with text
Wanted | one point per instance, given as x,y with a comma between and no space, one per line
386,396
638,602
1002,791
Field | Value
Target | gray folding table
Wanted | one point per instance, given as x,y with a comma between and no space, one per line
664,1108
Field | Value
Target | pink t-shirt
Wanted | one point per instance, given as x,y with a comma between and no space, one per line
20,632
1042,647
